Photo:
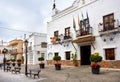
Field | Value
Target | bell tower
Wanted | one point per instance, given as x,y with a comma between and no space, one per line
54,10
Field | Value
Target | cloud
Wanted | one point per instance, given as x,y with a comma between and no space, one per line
26,15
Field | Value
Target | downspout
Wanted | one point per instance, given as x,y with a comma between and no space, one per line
74,47
93,45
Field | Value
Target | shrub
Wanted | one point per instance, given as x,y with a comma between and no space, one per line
74,59
8,60
95,57
18,60
57,58
41,59
13,60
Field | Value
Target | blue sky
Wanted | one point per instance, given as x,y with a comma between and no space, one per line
19,17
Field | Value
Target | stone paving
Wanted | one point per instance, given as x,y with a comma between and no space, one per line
80,74
66,74
10,77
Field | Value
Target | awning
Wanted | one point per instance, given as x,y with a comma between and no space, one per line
84,39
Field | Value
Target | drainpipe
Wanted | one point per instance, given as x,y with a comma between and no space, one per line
93,45
74,47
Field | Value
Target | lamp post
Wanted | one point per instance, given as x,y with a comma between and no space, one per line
26,44
4,51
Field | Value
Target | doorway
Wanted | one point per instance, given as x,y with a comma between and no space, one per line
85,54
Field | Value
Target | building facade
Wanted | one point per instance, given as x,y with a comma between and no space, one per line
37,47
16,49
83,28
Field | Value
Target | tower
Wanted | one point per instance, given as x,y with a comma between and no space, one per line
54,10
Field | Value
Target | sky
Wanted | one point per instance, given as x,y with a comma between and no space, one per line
20,17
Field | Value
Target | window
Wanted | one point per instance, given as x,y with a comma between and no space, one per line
67,31
43,44
67,54
38,52
109,53
83,1
42,54
84,27
108,22
56,34
55,54
30,47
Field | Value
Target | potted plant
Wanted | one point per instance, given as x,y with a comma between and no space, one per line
42,65
13,62
19,62
57,64
8,62
74,59
95,58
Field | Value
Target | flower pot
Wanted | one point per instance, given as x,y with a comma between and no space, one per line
19,64
13,64
58,66
95,70
7,63
42,65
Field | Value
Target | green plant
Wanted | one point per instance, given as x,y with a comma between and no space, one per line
57,58
8,60
41,59
13,60
57,65
74,59
18,60
95,57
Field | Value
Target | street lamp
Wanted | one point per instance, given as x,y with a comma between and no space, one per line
4,51
26,45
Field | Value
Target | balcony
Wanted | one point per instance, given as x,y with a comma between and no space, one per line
66,38
87,38
13,52
112,31
84,35
84,32
61,39
115,28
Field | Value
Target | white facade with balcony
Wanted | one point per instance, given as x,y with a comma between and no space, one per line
103,35
37,47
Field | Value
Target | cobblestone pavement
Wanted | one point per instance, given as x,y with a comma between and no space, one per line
66,74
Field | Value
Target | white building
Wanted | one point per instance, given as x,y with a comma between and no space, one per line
37,47
98,30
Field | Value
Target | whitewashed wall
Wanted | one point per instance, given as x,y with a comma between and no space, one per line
96,10
36,46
